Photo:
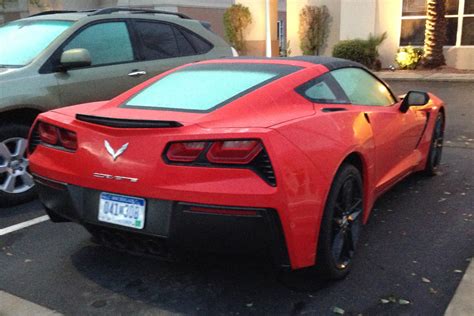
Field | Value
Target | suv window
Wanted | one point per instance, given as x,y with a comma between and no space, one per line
107,43
201,46
22,41
323,89
158,40
362,88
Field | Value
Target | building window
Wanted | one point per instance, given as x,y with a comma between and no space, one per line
459,20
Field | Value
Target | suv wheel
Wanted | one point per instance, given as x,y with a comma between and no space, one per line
16,183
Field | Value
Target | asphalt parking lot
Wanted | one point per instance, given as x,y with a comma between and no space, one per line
415,248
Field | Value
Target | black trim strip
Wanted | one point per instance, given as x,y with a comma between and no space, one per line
424,129
126,123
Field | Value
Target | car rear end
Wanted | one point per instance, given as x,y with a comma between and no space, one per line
144,174
178,187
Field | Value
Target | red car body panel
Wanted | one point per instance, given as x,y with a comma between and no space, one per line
305,144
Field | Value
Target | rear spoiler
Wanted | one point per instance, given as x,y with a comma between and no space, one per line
126,123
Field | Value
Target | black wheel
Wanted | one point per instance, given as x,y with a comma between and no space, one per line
341,224
16,183
436,148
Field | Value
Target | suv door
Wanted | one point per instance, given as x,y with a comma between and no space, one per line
164,46
113,69
396,134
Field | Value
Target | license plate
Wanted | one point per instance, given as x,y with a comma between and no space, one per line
122,210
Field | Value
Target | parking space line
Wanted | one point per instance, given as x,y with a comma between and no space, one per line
19,226
11,305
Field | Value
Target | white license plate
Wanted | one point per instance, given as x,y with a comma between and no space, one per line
122,210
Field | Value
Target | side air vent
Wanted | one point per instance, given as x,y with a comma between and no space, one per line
34,140
126,123
263,166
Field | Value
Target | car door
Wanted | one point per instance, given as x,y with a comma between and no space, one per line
396,134
114,67
164,46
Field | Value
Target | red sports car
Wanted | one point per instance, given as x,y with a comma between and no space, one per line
279,155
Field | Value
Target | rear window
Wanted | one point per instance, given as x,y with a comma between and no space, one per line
202,88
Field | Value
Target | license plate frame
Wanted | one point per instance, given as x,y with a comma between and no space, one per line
122,210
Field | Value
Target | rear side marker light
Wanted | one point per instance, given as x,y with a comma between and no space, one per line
238,152
185,152
48,133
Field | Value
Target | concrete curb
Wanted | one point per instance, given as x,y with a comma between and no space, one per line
463,301
398,76
11,305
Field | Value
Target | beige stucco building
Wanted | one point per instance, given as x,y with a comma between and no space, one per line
403,20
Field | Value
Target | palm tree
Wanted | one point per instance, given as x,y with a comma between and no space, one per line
435,33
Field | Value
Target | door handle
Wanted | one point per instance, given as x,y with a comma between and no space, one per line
137,73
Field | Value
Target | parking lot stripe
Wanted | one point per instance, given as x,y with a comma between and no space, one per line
11,305
19,226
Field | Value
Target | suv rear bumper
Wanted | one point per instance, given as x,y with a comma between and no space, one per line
171,227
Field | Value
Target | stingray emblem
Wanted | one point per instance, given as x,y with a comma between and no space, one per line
112,152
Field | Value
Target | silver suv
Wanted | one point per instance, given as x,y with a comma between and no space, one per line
56,59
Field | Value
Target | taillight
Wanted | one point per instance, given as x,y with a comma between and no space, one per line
239,152
68,139
56,136
48,133
185,152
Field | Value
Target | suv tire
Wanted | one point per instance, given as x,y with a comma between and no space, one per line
16,183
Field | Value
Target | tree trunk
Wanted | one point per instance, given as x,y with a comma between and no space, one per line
435,33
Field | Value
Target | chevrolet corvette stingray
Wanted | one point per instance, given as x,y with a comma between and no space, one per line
283,156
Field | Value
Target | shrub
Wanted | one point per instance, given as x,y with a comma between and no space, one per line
409,57
359,50
314,29
236,19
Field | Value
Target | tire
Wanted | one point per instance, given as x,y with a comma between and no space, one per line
16,183
436,147
341,224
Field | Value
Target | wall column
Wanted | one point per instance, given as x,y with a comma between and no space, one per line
255,33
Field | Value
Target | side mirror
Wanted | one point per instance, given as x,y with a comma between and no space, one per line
414,98
75,58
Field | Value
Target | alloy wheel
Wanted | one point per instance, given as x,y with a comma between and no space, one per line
14,175
346,224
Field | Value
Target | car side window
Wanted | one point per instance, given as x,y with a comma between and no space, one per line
184,45
107,43
201,46
158,40
362,88
323,89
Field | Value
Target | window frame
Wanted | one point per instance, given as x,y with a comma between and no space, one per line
333,85
175,28
459,16
303,87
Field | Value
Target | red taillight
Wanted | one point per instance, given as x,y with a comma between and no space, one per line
68,139
185,152
56,136
48,133
239,152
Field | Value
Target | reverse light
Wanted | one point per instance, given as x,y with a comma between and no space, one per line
185,152
239,152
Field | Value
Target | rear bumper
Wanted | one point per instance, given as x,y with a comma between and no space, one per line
171,226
